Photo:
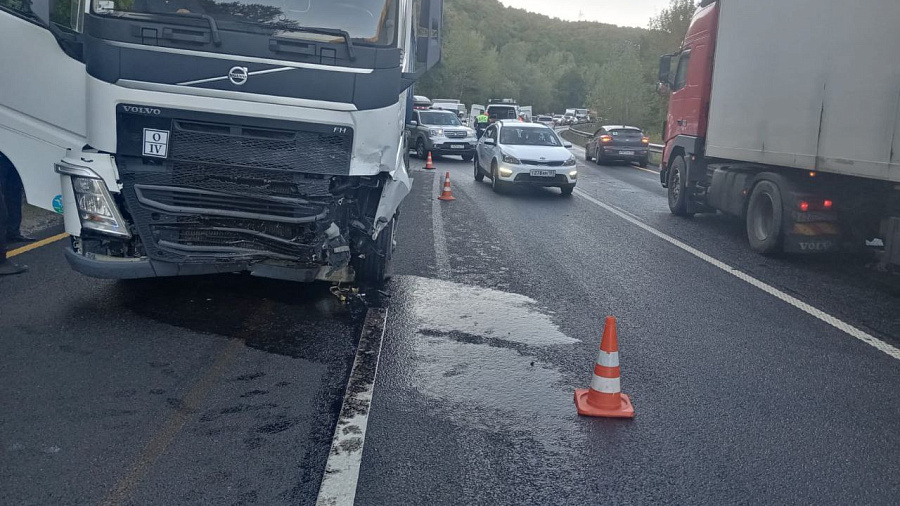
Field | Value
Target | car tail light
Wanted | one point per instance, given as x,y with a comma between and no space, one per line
827,204
605,138
645,140
804,206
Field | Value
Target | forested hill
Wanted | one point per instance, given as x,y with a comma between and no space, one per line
496,51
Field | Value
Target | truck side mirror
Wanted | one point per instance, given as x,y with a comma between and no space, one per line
413,124
428,22
429,33
665,67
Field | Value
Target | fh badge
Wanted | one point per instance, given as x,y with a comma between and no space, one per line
156,143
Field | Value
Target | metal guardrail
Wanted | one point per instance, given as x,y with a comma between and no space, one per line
654,148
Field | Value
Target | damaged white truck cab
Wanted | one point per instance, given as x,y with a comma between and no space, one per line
200,136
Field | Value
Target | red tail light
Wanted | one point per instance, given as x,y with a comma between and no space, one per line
645,140
804,206
605,138
827,204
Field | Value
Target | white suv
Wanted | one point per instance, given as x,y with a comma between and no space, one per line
513,152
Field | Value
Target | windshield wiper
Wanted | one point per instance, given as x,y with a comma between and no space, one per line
213,27
328,31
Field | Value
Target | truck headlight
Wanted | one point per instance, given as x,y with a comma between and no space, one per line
436,132
96,208
570,162
511,159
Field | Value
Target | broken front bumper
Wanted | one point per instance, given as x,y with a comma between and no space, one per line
106,267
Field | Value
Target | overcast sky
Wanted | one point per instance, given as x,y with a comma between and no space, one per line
616,12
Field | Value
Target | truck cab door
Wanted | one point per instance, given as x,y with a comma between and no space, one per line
681,107
42,102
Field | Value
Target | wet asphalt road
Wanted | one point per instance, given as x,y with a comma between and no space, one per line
226,390
740,398
211,390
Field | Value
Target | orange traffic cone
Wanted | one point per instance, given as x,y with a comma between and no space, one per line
604,397
446,194
428,163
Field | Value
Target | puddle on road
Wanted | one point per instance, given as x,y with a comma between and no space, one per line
474,354
489,314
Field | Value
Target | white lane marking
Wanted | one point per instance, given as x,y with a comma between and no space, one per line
338,486
441,256
771,290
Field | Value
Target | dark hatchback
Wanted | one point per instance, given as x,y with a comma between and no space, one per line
618,143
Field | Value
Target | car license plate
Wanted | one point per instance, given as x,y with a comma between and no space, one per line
543,173
457,146
626,152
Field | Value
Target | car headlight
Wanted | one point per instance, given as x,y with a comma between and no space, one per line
511,159
570,162
505,172
573,174
436,132
96,208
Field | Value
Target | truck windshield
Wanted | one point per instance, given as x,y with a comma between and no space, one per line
502,112
366,21
439,118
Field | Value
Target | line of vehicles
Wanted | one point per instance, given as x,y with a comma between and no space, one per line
511,150
505,108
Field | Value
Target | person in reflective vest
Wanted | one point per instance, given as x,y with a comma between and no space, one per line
481,124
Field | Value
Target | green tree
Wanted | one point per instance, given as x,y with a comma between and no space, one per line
572,89
673,21
493,51
620,94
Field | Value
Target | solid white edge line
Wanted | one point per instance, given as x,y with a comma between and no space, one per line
441,255
338,487
841,325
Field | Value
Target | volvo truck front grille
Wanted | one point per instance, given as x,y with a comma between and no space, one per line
237,146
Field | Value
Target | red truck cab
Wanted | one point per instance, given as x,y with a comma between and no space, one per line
690,87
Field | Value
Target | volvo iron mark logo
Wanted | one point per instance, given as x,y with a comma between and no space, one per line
238,75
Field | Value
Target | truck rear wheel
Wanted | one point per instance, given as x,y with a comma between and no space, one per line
677,188
764,218
375,267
